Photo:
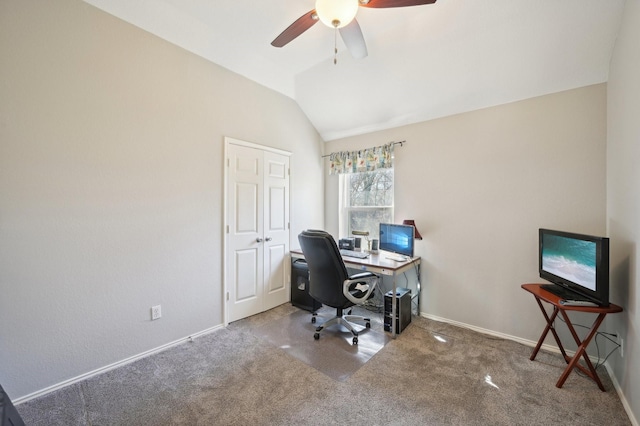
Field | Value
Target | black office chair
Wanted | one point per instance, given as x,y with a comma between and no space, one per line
330,284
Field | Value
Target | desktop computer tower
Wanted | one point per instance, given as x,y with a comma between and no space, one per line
300,287
403,309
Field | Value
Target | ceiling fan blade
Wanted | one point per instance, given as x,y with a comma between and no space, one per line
299,26
352,36
394,3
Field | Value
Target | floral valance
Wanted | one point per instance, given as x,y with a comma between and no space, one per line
380,157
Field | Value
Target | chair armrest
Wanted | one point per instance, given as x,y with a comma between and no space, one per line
361,275
368,280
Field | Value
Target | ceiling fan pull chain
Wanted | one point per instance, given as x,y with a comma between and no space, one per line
335,46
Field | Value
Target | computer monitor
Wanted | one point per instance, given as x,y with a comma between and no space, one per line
397,238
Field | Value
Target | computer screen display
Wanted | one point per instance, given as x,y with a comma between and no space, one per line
397,238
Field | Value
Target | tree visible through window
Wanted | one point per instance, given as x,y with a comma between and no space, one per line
367,201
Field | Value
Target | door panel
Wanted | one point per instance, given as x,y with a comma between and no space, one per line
247,208
276,271
277,216
277,168
246,284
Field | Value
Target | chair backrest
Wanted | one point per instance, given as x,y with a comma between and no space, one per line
327,272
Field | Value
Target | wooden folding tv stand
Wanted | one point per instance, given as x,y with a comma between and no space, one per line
542,295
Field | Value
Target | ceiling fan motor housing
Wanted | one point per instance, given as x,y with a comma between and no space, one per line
336,13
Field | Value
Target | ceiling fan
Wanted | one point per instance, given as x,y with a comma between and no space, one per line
340,14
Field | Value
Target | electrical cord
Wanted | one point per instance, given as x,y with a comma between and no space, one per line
604,334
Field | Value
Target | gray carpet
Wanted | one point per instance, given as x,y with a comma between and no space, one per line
333,354
432,374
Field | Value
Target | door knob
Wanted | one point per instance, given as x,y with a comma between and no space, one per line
259,240
268,239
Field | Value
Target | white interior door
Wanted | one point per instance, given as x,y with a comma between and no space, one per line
257,200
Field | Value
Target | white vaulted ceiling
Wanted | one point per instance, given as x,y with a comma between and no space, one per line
424,62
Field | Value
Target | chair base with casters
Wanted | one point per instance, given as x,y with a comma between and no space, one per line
343,319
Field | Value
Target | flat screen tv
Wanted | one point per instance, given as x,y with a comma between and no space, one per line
577,262
397,238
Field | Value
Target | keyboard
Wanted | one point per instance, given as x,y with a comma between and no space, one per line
397,257
353,253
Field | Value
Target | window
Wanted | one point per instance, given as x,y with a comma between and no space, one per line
366,200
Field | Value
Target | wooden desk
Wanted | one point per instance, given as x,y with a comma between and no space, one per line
379,264
542,295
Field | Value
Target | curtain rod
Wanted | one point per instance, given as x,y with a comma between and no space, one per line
401,143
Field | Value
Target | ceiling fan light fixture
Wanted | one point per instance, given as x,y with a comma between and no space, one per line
336,13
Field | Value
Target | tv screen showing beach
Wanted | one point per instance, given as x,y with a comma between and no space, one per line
571,259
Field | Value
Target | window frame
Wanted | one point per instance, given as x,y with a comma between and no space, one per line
346,209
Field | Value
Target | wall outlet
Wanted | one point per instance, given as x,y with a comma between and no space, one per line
620,342
621,347
156,312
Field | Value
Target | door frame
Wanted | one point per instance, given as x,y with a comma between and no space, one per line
225,222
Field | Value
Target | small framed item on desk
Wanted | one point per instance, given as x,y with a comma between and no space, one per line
347,243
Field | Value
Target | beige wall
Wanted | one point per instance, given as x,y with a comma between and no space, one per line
479,185
623,201
111,187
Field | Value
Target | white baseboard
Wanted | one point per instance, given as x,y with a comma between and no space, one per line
623,399
550,348
109,367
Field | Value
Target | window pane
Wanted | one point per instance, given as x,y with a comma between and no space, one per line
371,188
366,202
368,220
